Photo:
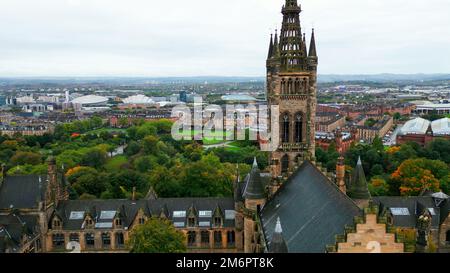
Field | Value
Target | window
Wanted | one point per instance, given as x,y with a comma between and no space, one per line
90,241
400,211
141,221
192,238
89,223
179,214
76,215
217,221
106,239
120,239
285,136
56,223
231,238
118,222
107,214
217,238
285,164
74,237
58,240
298,129
191,222
204,237
447,237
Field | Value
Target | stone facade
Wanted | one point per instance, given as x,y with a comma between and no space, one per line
292,86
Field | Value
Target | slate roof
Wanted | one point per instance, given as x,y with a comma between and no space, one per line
127,210
22,192
415,206
254,188
12,227
312,209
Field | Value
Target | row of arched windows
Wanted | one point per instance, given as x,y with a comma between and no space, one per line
297,86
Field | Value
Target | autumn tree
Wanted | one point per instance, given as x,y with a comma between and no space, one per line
156,236
415,175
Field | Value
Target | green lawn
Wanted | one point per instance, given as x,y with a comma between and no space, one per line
114,163
217,137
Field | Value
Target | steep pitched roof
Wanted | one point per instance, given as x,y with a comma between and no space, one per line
312,209
254,188
13,227
359,189
22,192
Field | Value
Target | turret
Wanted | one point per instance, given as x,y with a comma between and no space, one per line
254,193
359,189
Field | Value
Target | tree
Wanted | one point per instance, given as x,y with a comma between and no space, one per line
123,182
378,187
415,175
156,236
94,157
23,158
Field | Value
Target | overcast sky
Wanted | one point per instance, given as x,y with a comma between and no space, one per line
216,37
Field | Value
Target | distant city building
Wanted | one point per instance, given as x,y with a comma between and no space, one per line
423,131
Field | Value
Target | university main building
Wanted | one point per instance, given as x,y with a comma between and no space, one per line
296,207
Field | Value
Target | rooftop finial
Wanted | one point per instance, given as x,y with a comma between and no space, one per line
255,163
278,228
359,161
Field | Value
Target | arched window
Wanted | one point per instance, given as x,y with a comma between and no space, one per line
285,164
58,240
217,238
231,238
285,135
192,238
120,239
298,128
90,240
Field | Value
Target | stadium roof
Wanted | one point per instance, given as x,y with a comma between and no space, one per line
138,99
90,99
441,126
415,127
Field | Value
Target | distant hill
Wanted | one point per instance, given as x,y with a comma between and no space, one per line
383,78
322,78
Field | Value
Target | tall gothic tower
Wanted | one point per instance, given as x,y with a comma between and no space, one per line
292,85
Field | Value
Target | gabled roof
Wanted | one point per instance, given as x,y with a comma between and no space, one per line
176,209
22,192
312,209
406,210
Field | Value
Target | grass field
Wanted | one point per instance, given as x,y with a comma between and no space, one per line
217,137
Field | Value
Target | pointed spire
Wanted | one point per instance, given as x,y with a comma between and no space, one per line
305,51
359,188
270,55
312,47
254,188
276,45
278,244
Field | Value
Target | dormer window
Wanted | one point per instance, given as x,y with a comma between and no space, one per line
141,221
56,223
118,222
88,223
191,222
217,221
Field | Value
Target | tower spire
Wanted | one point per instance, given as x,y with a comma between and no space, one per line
270,55
291,43
312,47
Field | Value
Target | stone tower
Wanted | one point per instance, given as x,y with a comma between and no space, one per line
292,85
